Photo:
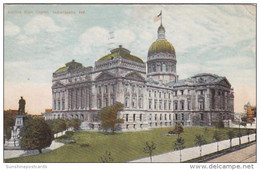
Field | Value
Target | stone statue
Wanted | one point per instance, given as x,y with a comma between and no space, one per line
21,109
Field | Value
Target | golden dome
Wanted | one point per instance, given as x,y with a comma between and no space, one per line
161,45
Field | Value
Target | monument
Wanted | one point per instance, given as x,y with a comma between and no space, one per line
14,142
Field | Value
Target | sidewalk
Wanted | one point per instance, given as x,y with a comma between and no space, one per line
20,153
194,152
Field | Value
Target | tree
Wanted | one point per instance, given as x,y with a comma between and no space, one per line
106,158
108,116
149,148
75,123
199,141
217,138
230,134
36,134
178,129
68,123
9,122
179,145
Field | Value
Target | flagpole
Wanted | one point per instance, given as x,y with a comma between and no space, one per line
161,17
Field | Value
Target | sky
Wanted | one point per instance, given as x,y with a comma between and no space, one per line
38,39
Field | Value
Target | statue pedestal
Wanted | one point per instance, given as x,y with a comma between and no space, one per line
14,142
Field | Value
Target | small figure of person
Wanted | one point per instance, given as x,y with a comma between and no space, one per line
21,109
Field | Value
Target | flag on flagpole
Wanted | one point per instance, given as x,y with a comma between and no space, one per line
158,17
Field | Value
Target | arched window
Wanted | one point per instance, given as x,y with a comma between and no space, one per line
173,68
164,67
126,102
154,67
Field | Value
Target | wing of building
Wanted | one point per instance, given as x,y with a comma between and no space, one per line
152,93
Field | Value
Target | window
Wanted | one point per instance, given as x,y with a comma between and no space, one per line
160,104
172,68
163,67
133,88
169,105
160,94
141,126
201,92
134,126
176,116
164,95
133,102
165,117
155,117
160,123
182,105
182,92
201,116
188,104
154,67
150,93
127,126
169,95
165,123
106,102
154,93
170,117
201,105
140,90
54,105
99,90
58,104
63,104
175,93
99,103
141,117
126,117
165,104
140,102
155,123
106,89
150,116
150,103
160,116
155,104
182,116
126,102
134,117
112,101
113,88
151,124
176,105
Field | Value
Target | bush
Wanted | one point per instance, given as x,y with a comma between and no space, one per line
219,124
36,134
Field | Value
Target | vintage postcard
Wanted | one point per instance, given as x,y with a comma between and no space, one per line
127,83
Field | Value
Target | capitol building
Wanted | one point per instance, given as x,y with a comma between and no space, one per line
152,92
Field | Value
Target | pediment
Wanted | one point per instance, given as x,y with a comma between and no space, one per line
224,82
135,76
58,85
105,76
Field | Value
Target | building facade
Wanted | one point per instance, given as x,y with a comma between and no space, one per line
152,93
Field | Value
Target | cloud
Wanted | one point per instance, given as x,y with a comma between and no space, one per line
39,23
10,29
23,39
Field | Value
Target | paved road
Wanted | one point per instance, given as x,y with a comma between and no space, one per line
247,154
193,152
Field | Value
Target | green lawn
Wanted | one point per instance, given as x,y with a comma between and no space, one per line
124,146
